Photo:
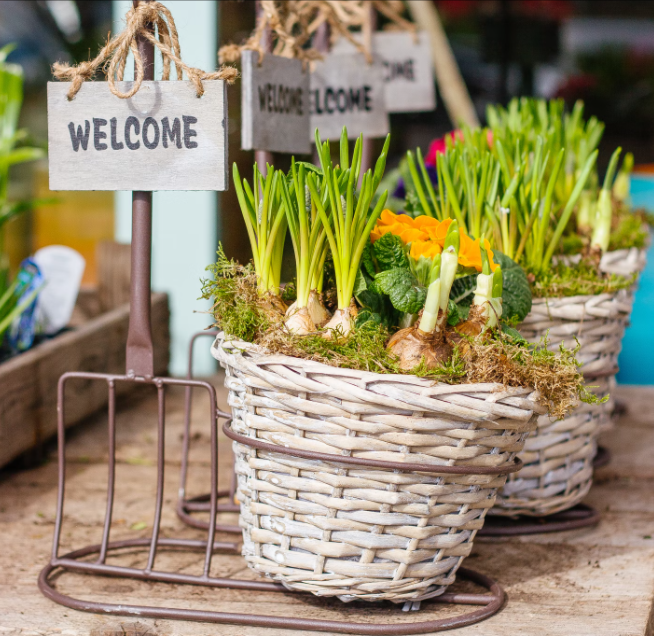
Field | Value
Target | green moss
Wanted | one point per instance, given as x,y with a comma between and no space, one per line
630,231
236,307
582,279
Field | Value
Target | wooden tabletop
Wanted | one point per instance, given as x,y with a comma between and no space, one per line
597,582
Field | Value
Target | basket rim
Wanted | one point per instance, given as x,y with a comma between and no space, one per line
262,357
471,401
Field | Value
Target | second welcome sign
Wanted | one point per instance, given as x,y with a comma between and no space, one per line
283,104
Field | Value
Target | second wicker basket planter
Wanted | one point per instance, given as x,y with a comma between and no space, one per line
362,485
558,472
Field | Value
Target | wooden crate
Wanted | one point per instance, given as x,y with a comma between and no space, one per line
28,382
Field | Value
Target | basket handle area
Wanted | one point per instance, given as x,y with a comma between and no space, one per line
513,467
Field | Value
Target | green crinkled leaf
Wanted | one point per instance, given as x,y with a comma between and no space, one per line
365,315
456,313
463,290
376,306
513,333
389,253
360,284
367,260
516,297
403,289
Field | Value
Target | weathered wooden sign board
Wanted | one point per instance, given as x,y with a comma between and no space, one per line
162,138
346,91
275,104
408,70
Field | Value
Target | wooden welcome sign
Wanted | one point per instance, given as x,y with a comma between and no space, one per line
408,70
275,104
347,91
164,137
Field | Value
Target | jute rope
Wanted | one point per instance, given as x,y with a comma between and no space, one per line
113,56
291,24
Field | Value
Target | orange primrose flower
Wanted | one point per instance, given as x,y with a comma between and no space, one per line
439,232
428,249
470,253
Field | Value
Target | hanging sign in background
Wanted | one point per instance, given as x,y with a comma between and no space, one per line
408,71
275,104
162,138
346,91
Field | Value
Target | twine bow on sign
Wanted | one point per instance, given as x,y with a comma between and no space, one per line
113,56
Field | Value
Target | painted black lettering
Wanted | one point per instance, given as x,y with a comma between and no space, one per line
189,132
408,71
115,144
330,93
150,122
341,101
355,98
299,104
174,133
262,98
281,99
367,98
80,138
132,122
99,135
270,97
316,103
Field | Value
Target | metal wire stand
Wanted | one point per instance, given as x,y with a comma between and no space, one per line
186,507
77,560
140,370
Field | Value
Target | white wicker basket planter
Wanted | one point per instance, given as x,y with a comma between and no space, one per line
395,529
558,472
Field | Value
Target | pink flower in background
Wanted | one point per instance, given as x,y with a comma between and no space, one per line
439,146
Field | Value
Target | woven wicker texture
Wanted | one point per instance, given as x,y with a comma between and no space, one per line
624,262
359,532
557,472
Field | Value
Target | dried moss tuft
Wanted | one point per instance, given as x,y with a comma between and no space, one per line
555,375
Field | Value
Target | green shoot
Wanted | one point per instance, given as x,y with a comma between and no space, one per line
266,224
345,211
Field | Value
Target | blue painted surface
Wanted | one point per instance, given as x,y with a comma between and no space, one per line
637,358
185,228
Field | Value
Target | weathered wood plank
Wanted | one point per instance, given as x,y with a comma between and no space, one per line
28,383
274,104
346,91
162,138
408,71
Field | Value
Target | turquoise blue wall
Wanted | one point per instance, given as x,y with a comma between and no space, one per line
185,224
637,357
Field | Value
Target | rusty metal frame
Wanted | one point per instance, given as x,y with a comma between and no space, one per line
580,516
186,507
77,560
